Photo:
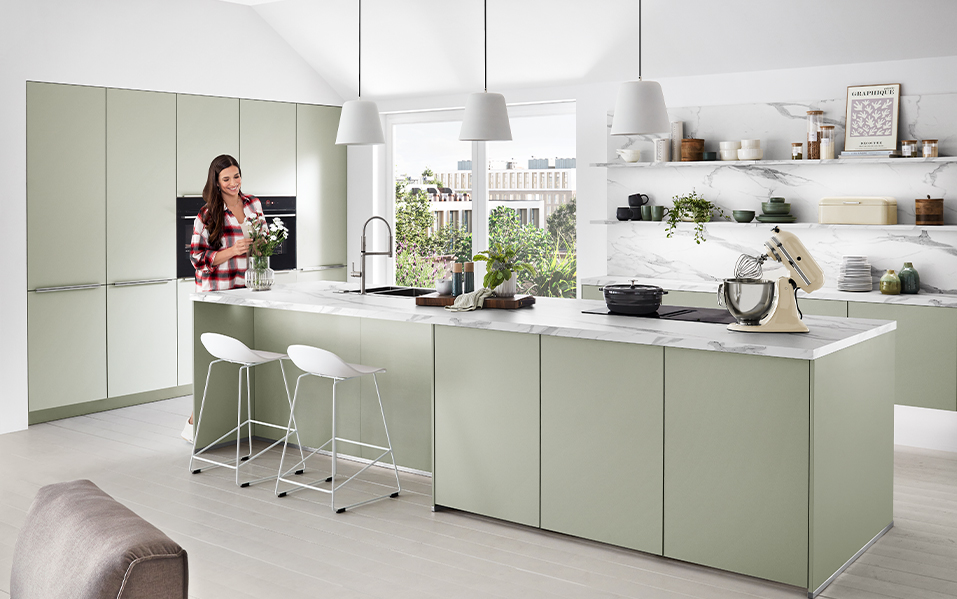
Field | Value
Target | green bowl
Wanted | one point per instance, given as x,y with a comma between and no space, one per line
776,200
743,216
776,208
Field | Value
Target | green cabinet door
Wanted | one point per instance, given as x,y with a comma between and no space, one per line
602,441
141,338
66,333
692,299
819,307
140,185
737,435
487,419
321,184
267,142
206,127
184,332
926,372
66,185
592,292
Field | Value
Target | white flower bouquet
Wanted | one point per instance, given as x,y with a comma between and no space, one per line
265,237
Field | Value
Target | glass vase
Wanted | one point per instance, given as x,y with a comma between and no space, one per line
910,280
890,283
259,277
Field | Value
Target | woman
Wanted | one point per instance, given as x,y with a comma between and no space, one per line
218,248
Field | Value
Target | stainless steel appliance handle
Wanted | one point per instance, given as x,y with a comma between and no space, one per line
66,288
721,296
141,282
325,267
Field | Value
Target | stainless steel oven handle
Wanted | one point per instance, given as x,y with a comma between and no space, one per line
66,288
142,282
325,267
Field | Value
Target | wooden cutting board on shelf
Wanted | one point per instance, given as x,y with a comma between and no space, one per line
502,303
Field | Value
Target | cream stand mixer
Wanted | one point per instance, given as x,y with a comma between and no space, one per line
761,306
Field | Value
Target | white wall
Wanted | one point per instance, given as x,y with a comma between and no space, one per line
191,46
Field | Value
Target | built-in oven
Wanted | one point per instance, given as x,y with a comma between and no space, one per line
284,207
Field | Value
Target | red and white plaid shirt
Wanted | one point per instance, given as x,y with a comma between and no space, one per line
231,273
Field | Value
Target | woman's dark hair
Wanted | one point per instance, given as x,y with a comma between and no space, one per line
213,195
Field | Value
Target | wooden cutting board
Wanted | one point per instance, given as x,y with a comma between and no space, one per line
503,303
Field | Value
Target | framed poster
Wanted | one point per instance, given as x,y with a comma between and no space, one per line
872,113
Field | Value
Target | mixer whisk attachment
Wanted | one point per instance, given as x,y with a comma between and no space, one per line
749,267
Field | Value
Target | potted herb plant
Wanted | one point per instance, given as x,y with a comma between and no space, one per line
264,240
693,208
501,265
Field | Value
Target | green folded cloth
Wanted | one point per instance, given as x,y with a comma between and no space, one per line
470,301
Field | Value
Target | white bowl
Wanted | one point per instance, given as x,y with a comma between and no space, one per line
444,286
629,155
729,154
750,154
750,143
729,145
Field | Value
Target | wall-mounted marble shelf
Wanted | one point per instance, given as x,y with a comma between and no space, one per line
719,163
756,224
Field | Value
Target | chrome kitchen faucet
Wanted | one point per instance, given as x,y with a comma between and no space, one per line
363,253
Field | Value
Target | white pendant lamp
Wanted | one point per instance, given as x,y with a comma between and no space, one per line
640,107
359,123
486,117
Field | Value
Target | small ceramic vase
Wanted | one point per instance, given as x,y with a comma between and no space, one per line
890,283
910,280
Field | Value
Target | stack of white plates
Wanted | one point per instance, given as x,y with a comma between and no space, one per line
855,274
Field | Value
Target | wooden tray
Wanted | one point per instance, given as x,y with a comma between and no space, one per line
503,303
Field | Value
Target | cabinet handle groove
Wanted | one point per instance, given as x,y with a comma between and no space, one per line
142,282
66,288
324,267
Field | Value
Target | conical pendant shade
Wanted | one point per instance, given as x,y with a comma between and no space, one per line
359,124
640,109
486,118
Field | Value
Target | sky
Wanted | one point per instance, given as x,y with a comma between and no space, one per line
437,145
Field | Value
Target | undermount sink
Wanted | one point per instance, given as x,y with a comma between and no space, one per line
392,291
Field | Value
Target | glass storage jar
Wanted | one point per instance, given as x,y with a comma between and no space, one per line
930,148
827,142
797,150
908,148
815,118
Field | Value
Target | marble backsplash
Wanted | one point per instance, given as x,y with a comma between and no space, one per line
641,249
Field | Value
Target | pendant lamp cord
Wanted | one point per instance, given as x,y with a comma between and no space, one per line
485,42
360,50
639,39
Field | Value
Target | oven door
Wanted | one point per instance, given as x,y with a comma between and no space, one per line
284,258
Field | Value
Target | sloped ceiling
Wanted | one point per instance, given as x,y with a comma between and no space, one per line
424,47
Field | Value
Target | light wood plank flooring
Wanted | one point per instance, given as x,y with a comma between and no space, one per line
249,543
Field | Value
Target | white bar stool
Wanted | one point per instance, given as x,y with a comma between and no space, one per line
234,351
325,364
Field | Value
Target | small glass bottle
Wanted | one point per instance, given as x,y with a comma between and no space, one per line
797,150
909,148
815,118
457,279
827,142
910,280
930,148
469,277
890,283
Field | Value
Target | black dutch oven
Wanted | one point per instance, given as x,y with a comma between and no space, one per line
633,299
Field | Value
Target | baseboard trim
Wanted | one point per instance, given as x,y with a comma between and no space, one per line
110,403
816,592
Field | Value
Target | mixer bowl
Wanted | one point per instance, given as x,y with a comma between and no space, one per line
748,300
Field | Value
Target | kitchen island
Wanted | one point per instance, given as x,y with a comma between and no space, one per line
765,454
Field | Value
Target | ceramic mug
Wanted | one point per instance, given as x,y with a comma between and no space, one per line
637,199
658,212
646,212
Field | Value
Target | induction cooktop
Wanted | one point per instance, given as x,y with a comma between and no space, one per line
709,315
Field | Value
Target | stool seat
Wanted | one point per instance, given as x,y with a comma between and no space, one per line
314,361
234,351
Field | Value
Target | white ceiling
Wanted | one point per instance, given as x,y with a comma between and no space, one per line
430,47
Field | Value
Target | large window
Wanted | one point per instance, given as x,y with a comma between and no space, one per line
434,218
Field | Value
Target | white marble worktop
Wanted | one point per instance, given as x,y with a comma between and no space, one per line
563,318
938,300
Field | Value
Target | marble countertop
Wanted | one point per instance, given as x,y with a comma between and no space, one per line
938,300
563,318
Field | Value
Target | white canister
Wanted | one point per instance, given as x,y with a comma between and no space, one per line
677,132
662,150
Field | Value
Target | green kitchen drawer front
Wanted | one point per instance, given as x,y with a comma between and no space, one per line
692,299
141,338
926,371
487,420
206,127
736,463
404,349
66,338
819,307
66,185
592,292
602,441
267,137
276,330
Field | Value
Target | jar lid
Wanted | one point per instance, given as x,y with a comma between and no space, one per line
815,112
827,126
798,144
908,141
457,267
469,267
930,141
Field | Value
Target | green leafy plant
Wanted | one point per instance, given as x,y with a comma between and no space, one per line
693,207
501,263
555,275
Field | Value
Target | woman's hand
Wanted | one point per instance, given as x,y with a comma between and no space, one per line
241,247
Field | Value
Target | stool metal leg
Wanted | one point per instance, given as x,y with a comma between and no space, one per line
388,440
292,416
199,419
